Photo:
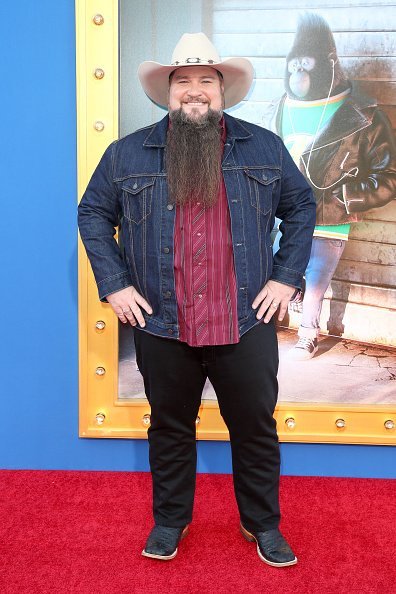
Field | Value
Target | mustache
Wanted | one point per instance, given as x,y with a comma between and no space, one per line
193,156
180,119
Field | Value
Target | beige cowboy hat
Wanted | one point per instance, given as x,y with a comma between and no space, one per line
195,49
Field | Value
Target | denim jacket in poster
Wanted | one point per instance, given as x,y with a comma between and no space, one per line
129,189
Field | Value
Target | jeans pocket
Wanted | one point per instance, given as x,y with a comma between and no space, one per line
336,243
137,194
262,183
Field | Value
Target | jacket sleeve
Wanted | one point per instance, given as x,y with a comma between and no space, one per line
375,184
98,217
297,209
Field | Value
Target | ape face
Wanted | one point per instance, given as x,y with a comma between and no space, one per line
308,78
300,79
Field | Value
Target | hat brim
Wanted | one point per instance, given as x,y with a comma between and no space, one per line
237,75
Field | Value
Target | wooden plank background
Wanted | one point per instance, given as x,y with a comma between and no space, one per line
363,291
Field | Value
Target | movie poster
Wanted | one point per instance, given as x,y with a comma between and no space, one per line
324,83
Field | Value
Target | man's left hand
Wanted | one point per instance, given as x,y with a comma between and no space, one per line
272,296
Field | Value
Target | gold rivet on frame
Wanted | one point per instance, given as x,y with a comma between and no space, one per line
99,126
197,420
100,325
98,19
146,420
99,73
100,418
340,423
290,423
100,371
389,425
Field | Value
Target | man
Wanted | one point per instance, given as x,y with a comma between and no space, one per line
195,196
345,147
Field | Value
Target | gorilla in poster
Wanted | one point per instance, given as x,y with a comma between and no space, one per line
345,147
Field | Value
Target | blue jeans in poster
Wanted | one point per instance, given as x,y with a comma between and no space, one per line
325,255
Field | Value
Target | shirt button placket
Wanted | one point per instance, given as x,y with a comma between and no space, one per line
199,272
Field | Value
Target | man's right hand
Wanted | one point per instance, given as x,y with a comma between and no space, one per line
127,305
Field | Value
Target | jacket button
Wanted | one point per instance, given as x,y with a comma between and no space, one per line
170,331
134,186
170,207
166,250
167,294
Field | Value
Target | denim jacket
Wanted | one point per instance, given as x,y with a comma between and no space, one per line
129,189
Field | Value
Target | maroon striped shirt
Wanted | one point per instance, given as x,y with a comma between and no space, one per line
204,272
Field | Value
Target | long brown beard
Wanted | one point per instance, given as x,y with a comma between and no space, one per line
193,157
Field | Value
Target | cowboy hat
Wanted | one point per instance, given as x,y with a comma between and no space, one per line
195,49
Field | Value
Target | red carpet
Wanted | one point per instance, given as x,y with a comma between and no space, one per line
82,533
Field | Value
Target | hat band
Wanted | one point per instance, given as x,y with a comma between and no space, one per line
193,61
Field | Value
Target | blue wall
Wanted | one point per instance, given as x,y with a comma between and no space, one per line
39,388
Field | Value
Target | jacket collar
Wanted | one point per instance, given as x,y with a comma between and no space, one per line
156,137
235,129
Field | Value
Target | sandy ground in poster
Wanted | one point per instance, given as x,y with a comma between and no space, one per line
343,371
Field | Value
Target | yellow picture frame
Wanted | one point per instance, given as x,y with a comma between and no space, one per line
102,413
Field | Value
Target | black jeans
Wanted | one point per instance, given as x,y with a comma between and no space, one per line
244,378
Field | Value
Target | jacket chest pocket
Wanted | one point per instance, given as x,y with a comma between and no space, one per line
137,196
262,183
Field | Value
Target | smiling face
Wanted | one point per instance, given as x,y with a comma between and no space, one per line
195,89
